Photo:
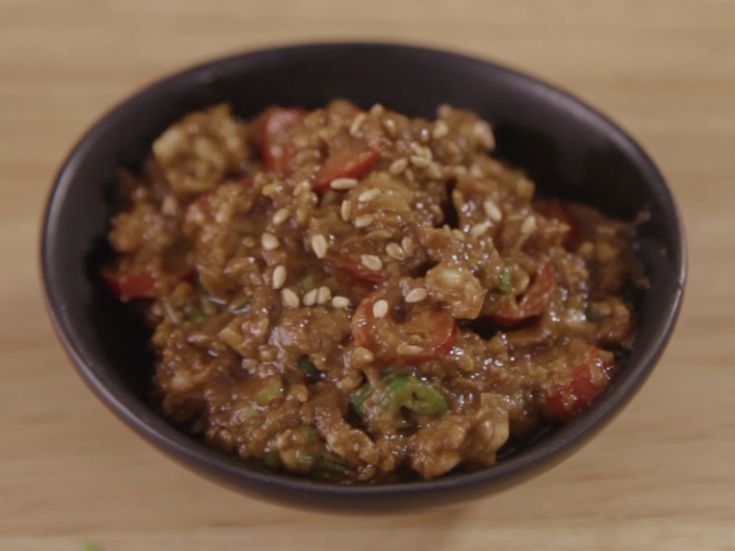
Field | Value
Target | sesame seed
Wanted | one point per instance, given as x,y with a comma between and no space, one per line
363,354
421,162
357,123
363,221
479,229
458,235
379,234
394,250
417,149
380,308
440,130
409,349
407,244
323,295
433,171
319,244
390,127
529,225
524,188
345,210
310,297
301,187
342,184
492,210
457,197
302,215
523,279
368,195
398,166
269,241
371,262
377,110
451,277
290,298
409,175
268,190
249,241
279,277
484,133
416,295
280,216
169,206
340,302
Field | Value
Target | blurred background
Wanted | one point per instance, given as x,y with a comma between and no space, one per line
660,477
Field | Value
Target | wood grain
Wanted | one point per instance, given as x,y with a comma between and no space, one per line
660,477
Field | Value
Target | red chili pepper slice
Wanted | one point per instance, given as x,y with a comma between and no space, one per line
554,208
430,329
356,270
588,379
276,148
534,301
347,163
126,286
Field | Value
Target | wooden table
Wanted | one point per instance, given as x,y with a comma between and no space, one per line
662,476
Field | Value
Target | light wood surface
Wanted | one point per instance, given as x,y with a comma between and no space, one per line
662,476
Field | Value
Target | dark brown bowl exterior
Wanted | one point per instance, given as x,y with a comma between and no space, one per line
568,148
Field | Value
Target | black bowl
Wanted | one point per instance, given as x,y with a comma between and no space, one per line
568,148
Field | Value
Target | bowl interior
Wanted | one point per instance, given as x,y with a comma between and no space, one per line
568,149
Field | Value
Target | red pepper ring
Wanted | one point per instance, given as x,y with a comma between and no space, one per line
346,163
533,303
276,148
126,286
427,332
588,379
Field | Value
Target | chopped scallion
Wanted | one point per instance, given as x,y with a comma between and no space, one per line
506,278
308,368
272,390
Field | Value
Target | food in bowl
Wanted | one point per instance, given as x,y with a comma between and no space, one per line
362,297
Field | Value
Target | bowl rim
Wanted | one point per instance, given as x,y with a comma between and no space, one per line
138,416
